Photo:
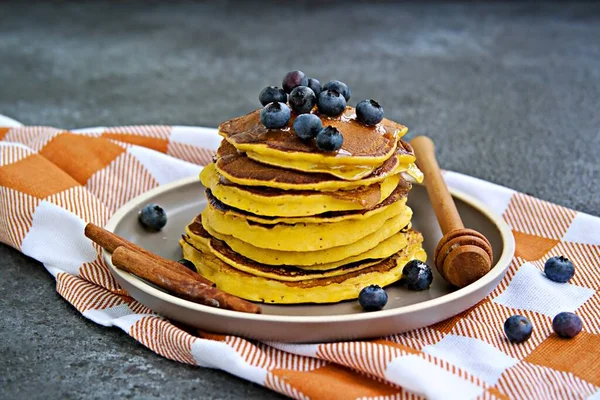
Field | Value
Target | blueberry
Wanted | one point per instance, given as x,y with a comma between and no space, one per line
339,87
566,324
272,94
329,139
417,275
152,217
293,79
517,328
369,112
275,115
331,103
307,126
315,85
188,264
372,298
559,269
302,99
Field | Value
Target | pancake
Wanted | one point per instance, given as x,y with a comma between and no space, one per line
364,149
350,173
203,242
296,259
242,170
319,290
334,216
265,238
304,237
275,202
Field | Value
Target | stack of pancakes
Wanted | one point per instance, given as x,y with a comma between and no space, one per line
287,223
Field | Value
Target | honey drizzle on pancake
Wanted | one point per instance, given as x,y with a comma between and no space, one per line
359,140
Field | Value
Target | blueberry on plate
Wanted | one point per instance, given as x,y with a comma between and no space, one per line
331,103
517,328
339,87
329,139
559,269
417,275
275,115
566,324
372,298
188,264
307,126
315,85
293,79
369,112
302,99
152,217
272,94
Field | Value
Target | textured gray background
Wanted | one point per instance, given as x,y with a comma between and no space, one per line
510,93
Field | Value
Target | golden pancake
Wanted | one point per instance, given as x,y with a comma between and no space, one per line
294,257
320,290
242,170
205,243
303,237
275,202
347,172
301,260
364,149
334,216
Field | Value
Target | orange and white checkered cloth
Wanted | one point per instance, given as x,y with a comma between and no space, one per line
52,182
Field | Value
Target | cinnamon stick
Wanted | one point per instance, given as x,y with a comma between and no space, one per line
147,268
110,241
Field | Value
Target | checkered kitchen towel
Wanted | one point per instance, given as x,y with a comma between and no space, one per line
52,182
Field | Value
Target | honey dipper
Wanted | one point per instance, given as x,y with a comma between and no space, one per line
463,255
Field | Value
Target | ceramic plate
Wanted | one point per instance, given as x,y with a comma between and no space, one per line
405,310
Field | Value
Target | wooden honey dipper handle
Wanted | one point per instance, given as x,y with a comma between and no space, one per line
463,255
441,199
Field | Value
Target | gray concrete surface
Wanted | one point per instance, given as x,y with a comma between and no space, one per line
510,92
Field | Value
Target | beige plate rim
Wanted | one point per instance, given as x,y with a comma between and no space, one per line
508,246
